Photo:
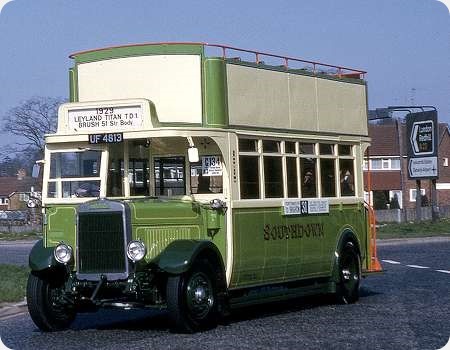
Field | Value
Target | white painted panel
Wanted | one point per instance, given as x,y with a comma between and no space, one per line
272,99
341,107
171,82
257,97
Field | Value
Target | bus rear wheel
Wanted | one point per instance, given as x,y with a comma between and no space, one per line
192,299
46,309
347,289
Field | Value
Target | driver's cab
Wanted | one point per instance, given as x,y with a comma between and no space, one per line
140,167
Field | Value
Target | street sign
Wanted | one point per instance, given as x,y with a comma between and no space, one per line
422,137
422,131
424,167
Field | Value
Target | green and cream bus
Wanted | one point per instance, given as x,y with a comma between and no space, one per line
184,177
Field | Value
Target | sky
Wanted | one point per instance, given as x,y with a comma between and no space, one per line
404,45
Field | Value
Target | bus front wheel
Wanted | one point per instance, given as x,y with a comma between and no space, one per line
192,299
44,299
347,289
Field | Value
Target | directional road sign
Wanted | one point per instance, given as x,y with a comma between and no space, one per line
422,129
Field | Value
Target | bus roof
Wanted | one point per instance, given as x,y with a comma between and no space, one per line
224,51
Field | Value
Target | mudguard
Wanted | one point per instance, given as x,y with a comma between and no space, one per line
41,258
179,255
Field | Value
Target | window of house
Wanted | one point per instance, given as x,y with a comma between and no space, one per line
385,163
365,164
24,197
413,192
395,164
376,164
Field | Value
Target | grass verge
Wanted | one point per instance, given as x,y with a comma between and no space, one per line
412,230
4,236
13,283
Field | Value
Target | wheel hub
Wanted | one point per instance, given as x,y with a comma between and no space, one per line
199,295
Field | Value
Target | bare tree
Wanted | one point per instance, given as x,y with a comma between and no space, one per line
30,121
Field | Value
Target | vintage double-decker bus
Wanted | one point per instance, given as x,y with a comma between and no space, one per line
184,177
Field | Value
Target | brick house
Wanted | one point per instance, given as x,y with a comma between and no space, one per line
389,167
15,191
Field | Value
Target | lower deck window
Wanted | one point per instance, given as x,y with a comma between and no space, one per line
327,172
273,181
249,176
308,171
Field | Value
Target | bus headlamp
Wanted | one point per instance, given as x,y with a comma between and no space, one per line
136,251
63,253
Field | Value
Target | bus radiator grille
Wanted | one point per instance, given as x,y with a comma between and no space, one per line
101,247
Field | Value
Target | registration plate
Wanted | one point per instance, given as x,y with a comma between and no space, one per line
110,137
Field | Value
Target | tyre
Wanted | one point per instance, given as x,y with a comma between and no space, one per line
45,306
347,289
192,299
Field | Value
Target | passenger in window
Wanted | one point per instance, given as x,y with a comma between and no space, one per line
203,184
347,184
309,186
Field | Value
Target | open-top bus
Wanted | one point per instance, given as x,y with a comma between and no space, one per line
186,178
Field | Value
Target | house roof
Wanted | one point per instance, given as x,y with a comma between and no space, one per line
385,138
10,184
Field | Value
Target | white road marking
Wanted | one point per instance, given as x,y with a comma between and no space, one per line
391,262
418,266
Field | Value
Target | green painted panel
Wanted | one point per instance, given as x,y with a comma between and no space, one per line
138,50
159,222
215,96
157,238
270,247
61,225
73,84
160,211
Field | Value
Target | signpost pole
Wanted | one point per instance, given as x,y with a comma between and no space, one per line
418,202
434,207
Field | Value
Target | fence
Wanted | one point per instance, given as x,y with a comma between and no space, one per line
409,215
20,221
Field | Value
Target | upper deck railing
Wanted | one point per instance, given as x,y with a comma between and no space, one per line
313,66
287,62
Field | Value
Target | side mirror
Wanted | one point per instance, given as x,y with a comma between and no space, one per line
36,170
193,155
